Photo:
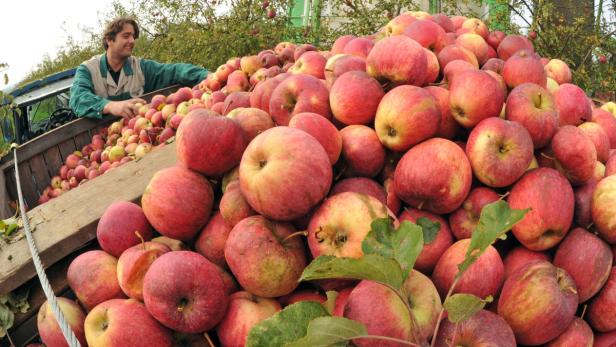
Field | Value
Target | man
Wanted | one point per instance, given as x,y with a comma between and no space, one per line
111,83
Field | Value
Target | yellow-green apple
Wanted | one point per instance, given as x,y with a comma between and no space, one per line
399,24
443,20
484,328
587,259
575,154
339,226
463,221
338,45
433,69
485,277
599,137
296,94
124,322
453,52
601,314
133,265
245,310
520,256
208,143
142,149
49,329
499,151
476,26
494,38
302,295
93,278
260,97
549,291
360,185
399,60
322,130
551,85
185,292
310,63
393,318
494,64
610,107
407,115
359,47
607,122
212,239
354,98
258,76
448,127
427,33
533,107
362,151
165,199
250,64
173,244
524,67
476,44
431,252
252,120
292,154
237,82
116,153
340,64
474,96
572,105
262,257
603,208
117,227
578,333
510,44
549,196
558,70
434,175
233,206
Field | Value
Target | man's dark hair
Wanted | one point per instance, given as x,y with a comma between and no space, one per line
115,27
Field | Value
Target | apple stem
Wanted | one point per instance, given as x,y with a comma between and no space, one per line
440,315
140,238
419,207
547,156
209,340
584,311
303,232
503,196
225,110
340,173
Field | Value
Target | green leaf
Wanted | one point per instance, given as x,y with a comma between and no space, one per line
330,331
496,219
330,304
461,307
430,228
369,267
403,244
6,319
18,301
285,326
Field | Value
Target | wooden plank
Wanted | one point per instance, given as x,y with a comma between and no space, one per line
54,161
28,185
54,137
40,173
82,139
68,222
66,147
9,174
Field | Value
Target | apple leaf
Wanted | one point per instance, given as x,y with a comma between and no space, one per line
496,219
330,331
369,267
403,244
6,319
285,326
461,307
430,228
330,304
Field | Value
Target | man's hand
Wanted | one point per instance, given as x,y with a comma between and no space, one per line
125,109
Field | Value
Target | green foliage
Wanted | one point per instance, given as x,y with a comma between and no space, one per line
330,331
461,307
14,302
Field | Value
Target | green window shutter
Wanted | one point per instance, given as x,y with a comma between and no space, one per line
297,13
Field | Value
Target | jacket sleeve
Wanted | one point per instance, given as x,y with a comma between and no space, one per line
159,75
83,101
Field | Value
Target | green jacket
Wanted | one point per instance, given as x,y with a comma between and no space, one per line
93,87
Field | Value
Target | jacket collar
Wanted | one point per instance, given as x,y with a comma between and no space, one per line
128,70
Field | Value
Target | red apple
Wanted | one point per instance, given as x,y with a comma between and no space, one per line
354,98
448,127
297,94
133,265
359,47
427,33
455,52
252,120
510,44
339,64
607,122
362,151
212,239
599,137
484,328
558,70
520,256
399,60
49,329
117,227
463,221
474,96
322,130
603,209
524,67
93,278
533,107
360,185
575,154
601,314
572,106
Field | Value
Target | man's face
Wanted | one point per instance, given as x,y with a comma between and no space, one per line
124,42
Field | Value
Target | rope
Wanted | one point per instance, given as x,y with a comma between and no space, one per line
68,333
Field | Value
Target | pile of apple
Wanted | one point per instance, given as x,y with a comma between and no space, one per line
125,140
296,151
